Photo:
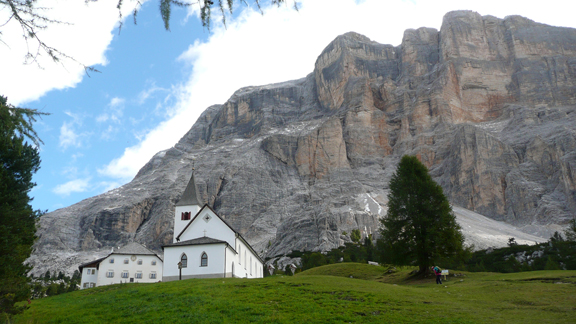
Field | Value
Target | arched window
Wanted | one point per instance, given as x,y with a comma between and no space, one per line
244,260
204,260
250,265
240,253
184,260
232,269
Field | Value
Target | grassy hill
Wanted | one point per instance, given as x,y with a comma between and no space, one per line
323,295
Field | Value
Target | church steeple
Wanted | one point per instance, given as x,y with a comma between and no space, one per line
186,208
189,197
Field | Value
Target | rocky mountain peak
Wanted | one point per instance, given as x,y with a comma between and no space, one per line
487,104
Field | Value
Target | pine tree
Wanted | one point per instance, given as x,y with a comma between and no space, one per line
420,227
19,160
570,232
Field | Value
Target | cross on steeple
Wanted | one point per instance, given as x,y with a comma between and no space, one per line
204,233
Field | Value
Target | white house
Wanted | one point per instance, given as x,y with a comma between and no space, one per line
205,245
131,263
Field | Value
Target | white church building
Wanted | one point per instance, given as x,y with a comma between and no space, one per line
205,245
131,263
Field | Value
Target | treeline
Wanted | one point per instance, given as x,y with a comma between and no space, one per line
350,252
51,284
555,254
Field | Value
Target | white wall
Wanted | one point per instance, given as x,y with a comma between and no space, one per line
179,224
215,268
132,267
246,259
146,268
89,278
215,228
231,259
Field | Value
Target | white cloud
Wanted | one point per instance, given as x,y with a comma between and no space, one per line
115,111
77,185
68,136
116,102
283,44
85,38
106,186
147,93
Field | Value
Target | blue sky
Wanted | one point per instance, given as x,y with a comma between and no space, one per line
154,84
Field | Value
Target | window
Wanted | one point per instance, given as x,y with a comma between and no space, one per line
140,262
240,253
125,274
153,262
138,275
186,215
250,265
244,260
85,285
204,260
153,275
184,260
111,260
92,285
126,261
90,271
110,274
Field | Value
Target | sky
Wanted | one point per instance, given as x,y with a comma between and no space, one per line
153,84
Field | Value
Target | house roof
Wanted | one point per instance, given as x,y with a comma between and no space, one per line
128,249
197,241
94,263
190,196
133,248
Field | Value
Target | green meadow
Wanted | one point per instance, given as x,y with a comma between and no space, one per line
325,294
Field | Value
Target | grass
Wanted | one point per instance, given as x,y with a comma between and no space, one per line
323,295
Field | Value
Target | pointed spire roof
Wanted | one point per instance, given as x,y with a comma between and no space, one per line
189,197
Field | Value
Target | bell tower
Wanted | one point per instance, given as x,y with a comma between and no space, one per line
186,208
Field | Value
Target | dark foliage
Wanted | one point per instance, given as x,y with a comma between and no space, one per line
19,160
552,255
420,228
349,252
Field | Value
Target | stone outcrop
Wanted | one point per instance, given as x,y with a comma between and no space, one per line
487,104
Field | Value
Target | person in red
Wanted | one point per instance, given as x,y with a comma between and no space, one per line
438,273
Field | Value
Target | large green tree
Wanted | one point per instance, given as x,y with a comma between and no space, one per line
420,227
19,160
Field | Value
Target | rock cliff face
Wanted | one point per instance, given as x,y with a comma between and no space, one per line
487,104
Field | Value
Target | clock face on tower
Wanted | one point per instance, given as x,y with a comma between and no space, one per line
133,258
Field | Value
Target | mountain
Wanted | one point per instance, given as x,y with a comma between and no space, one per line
487,104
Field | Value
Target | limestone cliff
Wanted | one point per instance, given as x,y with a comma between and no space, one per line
488,104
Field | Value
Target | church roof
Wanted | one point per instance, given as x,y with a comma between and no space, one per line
224,221
189,197
197,241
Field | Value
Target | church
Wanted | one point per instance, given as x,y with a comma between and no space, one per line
205,245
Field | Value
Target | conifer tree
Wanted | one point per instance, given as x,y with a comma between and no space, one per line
420,227
19,160
570,232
